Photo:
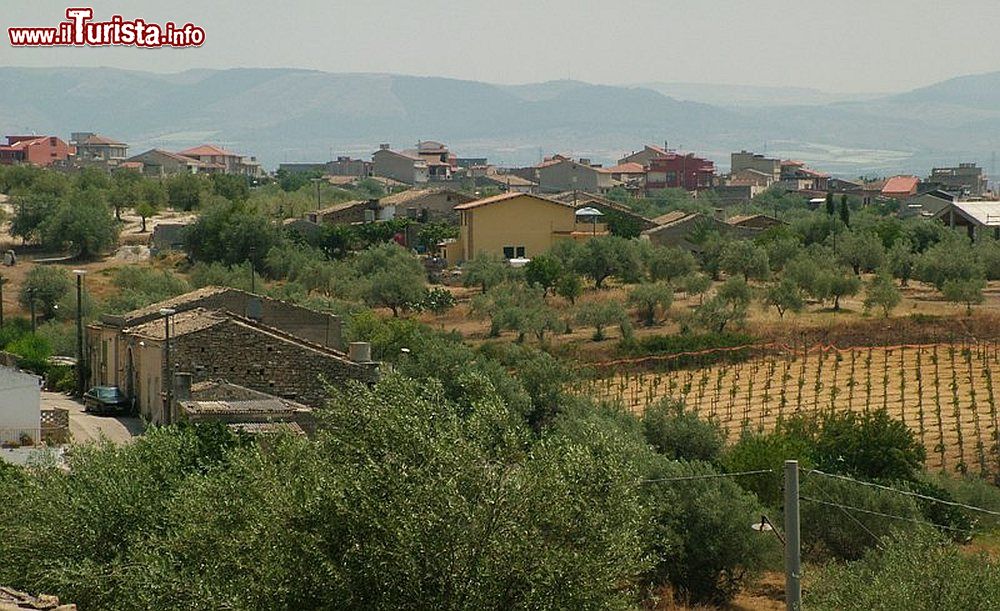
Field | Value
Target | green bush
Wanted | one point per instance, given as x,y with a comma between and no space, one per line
679,434
700,536
914,570
33,352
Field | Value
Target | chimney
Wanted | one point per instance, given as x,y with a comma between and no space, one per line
182,386
383,147
255,308
360,352
334,333
584,161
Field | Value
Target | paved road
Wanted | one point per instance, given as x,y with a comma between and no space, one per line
89,427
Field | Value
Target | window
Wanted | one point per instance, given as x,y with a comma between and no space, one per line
508,252
520,252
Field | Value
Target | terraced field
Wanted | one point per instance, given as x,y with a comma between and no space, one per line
944,392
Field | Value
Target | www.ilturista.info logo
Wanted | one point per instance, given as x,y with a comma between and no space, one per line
79,30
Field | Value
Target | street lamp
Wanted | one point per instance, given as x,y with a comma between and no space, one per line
3,281
166,313
253,281
31,306
80,382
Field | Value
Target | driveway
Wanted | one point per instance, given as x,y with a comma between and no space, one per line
85,427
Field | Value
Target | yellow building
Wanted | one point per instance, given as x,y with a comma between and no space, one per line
517,225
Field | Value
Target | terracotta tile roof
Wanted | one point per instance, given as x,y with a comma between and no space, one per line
340,207
175,303
206,150
272,406
630,167
410,195
505,196
99,139
900,185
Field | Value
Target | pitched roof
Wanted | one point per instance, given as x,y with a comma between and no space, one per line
670,217
175,156
206,150
740,219
630,167
99,139
266,428
410,195
340,207
175,303
985,213
181,323
506,196
901,184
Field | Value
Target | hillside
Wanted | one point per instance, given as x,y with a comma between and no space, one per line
293,115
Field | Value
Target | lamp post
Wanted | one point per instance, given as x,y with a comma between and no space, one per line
80,381
31,306
253,280
166,313
317,181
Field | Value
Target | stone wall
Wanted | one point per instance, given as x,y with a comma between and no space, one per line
265,361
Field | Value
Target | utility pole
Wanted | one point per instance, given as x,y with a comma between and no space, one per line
166,313
31,302
80,381
793,560
2,282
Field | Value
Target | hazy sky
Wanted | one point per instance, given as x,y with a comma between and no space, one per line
835,45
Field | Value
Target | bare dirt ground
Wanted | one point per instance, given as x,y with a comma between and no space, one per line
84,427
817,323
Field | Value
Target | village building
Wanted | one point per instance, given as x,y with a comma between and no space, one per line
977,219
424,205
516,226
680,171
563,174
926,204
967,179
264,344
94,147
745,161
900,187
648,153
759,222
409,169
216,159
20,407
795,176
680,229
41,151
158,163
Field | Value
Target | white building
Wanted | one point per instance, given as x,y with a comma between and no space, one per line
20,406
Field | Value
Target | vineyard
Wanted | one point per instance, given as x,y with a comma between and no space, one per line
944,392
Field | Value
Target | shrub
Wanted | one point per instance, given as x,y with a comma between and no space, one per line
913,570
700,535
679,434
46,284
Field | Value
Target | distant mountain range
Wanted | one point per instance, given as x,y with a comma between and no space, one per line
305,115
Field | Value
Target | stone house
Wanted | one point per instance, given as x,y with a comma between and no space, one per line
123,350
238,406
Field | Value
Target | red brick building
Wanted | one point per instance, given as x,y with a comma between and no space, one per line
680,171
34,150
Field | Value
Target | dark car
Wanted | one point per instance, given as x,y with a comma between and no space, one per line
106,399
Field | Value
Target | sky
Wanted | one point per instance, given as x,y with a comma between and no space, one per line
843,46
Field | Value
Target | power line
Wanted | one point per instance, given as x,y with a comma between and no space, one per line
708,476
905,492
878,540
886,515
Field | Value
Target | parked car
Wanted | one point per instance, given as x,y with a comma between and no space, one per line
105,400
